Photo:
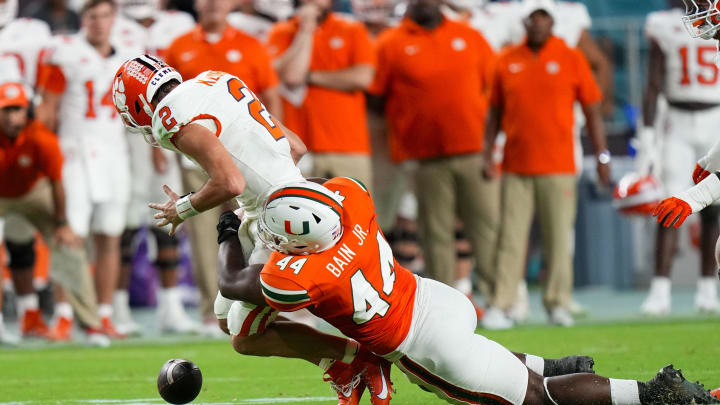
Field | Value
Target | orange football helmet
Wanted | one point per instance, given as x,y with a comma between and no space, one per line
637,194
134,87
702,18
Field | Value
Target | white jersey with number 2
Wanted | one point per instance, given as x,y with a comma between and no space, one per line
222,103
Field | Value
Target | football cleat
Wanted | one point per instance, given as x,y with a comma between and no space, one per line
108,329
715,393
32,324
7,338
62,331
346,382
377,378
495,319
569,365
659,300
670,387
95,337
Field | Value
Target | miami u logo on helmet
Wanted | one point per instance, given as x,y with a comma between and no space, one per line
305,228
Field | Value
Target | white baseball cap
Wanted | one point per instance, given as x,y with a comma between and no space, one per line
531,6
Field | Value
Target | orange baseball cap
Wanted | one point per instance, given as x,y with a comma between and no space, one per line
13,94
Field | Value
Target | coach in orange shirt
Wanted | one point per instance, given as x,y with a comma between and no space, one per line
325,61
32,199
215,45
536,85
434,74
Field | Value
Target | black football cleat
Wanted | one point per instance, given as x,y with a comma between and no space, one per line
670,387
568,365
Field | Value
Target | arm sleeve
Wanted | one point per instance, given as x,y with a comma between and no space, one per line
363,50
282,293
51,160
51,78
588,91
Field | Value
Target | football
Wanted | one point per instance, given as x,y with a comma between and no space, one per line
179,381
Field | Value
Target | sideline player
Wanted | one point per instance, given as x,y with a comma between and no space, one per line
702,20
154,30
330,257
683,70
75,84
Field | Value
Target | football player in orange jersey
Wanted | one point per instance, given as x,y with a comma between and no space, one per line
330,257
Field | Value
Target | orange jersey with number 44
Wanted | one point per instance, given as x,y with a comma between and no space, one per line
357,286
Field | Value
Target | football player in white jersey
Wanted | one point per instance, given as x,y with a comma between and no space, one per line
144,24
702,20
22,39
257,17
76,86
683,70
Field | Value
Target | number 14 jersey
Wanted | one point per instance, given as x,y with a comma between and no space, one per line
357,286
222,103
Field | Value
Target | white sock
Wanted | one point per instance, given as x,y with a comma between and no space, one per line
27,302
2,321
535,363
661,283
624,392
464,285
105,310
707,283
64,310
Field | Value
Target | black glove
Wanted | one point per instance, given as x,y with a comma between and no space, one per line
227,226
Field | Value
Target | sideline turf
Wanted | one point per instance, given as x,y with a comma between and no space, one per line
72,374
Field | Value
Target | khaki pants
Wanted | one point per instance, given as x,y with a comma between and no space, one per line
33,212
555,197
203,237
329,165
453,185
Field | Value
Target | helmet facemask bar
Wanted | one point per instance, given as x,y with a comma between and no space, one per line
702,18
130,123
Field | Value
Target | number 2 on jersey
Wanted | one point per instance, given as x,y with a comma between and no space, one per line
708,70
257,110
366,299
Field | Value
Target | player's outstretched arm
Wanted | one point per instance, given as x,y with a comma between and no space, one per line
674,210
235,280
225,182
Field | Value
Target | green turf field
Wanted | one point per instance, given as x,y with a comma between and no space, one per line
126,373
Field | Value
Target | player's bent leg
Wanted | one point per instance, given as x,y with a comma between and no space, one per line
555,367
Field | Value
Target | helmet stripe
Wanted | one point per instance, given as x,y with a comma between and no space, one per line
310,194
148,65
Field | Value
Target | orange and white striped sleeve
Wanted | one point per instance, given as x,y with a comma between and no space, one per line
282,293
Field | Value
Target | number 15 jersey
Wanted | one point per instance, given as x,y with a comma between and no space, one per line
691,74
357,286
221,102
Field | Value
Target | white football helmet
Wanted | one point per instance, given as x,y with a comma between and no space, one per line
300,218
280,10
8,11
702,18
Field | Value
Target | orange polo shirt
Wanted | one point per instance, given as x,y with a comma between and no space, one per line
34,154
329,120
536,93
436,83
234,52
